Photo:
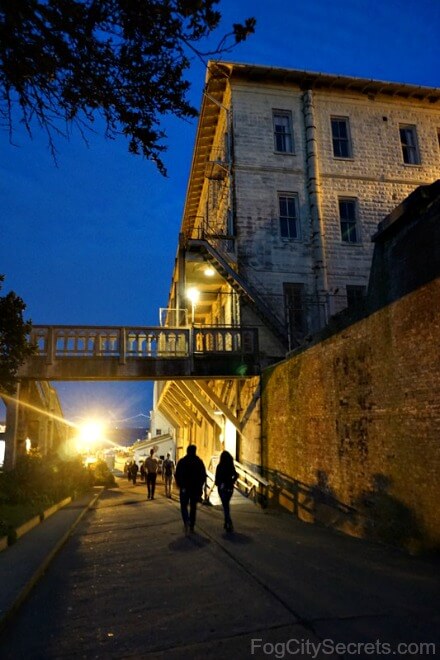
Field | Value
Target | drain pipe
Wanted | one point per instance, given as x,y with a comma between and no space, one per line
317,222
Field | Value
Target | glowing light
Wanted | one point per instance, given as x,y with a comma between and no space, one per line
193,294
90,433
209,271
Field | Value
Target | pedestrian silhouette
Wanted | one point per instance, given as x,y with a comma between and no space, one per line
190,477
168,469
133,471
225,477
151,465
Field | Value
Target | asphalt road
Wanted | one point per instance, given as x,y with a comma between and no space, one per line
129,584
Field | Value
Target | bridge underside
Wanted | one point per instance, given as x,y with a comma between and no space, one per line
110,368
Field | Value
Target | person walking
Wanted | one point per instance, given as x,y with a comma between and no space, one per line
225,478
133,472
190,477
151,465
168,472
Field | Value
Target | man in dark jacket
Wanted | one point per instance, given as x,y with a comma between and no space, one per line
190,477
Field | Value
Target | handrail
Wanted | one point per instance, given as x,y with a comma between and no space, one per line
249,483
253,484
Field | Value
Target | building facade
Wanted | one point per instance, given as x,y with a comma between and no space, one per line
292,172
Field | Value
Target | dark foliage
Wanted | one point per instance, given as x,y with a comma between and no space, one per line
37,483
62,61
14,346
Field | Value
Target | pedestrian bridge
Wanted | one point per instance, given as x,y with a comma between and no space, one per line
141,353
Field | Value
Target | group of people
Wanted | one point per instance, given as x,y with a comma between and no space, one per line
151,467
190,477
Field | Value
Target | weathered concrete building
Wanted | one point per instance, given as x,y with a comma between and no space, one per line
292,172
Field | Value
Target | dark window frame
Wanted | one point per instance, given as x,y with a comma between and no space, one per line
295,311
341,137
355,295
409,144
290,228
283,139
349,220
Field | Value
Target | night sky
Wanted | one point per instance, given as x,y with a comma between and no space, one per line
93,240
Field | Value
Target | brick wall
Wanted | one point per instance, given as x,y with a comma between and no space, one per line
351,425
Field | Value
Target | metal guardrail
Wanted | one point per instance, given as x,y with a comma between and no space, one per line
60,341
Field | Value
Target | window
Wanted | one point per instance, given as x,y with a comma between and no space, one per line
289,220
295,312
355,295
282,129
348,220
408,140
341,137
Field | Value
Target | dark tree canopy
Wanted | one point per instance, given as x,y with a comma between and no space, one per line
64,61
14,345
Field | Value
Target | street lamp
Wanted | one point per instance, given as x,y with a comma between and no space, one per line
193,295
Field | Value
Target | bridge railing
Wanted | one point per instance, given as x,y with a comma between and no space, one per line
59,341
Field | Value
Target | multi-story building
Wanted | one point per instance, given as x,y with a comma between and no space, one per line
292,172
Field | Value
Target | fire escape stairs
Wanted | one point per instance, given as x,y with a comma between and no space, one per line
242,287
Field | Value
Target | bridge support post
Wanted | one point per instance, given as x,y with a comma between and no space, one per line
12,411
122,346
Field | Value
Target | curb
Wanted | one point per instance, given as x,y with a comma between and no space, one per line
23,594
33,522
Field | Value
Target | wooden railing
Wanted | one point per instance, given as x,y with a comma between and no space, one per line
249,483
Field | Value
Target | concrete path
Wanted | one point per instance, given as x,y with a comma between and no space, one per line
129,584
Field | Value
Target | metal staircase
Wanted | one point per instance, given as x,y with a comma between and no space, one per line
241,286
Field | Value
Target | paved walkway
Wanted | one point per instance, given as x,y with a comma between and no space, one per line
127,583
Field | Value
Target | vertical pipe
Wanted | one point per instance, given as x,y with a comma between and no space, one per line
317,222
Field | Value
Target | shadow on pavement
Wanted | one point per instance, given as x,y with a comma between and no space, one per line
236,538
189,543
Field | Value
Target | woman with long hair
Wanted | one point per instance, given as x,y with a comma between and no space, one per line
225,477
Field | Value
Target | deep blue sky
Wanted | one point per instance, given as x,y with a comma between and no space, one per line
93,240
